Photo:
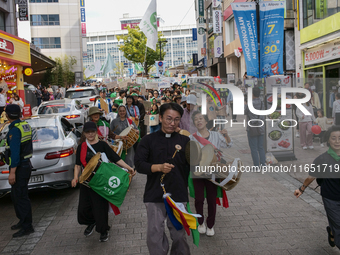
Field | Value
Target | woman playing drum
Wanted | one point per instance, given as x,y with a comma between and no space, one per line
103,128
218,139
118,125
92,208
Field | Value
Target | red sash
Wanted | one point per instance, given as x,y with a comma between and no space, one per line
83,153
129,121
204,142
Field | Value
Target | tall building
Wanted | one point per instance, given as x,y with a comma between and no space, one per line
179,47
55,27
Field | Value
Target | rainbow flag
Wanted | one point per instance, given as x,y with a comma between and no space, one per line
180,217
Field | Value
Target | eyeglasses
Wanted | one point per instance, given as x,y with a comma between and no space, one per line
169,120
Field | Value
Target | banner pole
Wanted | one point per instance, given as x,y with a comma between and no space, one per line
146,49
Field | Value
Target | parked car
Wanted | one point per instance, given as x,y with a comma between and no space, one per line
29,86
71,109
86,95
54,154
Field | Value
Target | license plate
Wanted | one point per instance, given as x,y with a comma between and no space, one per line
36,178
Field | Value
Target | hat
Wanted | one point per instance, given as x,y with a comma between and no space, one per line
88,126
134,94
192,99
184,99
13,110
94,110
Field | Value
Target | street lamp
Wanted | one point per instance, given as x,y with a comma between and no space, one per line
160,48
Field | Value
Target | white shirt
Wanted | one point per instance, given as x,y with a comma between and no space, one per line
2,100
216,138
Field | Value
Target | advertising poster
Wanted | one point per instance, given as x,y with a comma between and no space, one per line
245,17
279,135
218,46
271,38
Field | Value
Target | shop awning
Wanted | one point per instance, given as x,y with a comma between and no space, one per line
39,62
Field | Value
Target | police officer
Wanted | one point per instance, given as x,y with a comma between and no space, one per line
18,152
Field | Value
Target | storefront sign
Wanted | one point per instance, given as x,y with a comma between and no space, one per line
321,9
218,46
23,10
245,18
323,53
271,38
216,3
28,71
82,15
201,8
6,46
201,30
82,3
217,21
203,51
83,29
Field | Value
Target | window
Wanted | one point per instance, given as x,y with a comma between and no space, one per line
102,38
231,31
94,39
43,1
45,20
316,10
47,42
110,37
2,21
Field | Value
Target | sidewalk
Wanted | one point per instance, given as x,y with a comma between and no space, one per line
263,218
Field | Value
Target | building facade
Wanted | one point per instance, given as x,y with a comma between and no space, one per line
317,34
179,48
55,27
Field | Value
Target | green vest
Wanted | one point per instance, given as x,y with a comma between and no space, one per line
26,146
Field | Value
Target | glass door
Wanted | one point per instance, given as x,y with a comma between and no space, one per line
332,86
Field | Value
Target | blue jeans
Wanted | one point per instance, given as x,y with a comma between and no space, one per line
257,149
154,129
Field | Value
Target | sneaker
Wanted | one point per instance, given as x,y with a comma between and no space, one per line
202,229
210,232
89,230
104,236
23,232
304,147
311,147
322,145
297,135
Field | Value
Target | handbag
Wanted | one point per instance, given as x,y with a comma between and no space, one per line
255,131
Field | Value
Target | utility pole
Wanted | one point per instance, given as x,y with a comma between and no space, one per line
160,48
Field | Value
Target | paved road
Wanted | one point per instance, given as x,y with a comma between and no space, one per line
263,218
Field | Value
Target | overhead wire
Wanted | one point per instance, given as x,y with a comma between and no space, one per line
186,14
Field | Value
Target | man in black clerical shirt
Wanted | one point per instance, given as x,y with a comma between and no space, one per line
154,158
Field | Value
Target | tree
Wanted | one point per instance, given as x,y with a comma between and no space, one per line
133,47
62,73
119,70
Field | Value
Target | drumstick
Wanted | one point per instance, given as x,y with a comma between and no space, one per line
114,128
178,148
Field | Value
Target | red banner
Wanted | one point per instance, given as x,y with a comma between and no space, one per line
26,111
6,46
83,29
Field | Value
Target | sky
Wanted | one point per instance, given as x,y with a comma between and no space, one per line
104,15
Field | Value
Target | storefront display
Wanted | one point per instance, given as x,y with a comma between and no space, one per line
14,55
279,129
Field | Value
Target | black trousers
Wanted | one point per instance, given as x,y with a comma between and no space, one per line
232,110
93,208
143,129
19,195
